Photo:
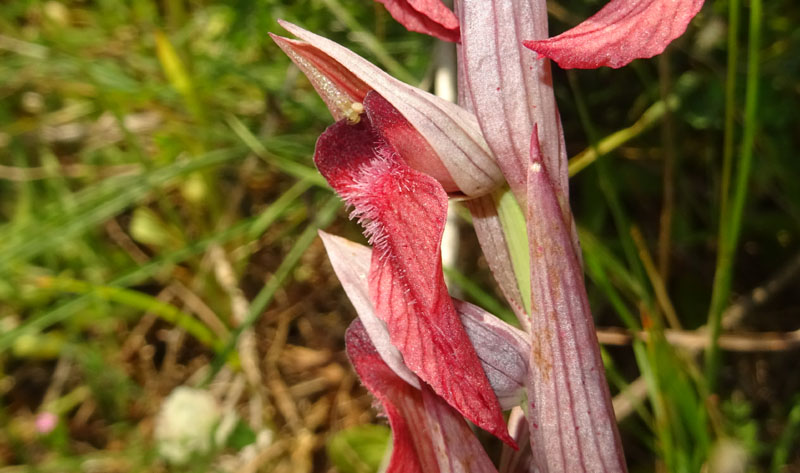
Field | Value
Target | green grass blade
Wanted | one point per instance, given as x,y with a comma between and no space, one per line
252,226
137,300
93,207
290,167
731,217
369,41
787,444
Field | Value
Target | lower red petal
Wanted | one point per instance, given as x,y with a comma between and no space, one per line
428,436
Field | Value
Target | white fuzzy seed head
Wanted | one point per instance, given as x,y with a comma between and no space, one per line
185,424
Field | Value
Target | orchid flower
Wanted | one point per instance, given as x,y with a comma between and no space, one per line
502,349
396,154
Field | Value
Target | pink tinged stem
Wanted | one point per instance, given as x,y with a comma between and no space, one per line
403,212
430,17
572,423
451,131
509,90
428,435
620,32
495,249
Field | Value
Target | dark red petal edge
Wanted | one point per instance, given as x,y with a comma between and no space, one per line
570,416
429,17
427,434
620,32
403,212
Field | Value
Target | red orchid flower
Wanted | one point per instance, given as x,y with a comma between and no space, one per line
451,137
502,349
404,211
428,434
390,171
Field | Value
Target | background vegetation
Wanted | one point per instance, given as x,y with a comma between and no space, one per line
158,202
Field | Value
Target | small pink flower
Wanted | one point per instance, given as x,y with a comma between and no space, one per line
46,422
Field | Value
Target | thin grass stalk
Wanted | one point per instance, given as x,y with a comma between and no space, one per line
670,157
659,287
731,222
784,447
369,41
608,188
264,297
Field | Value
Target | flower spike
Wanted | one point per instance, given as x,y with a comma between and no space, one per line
620,32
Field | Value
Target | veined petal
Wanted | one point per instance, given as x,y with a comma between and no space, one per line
427,434
430,17
406,140
502,349
620,32
452,132
403,212
571,420
339,88
350,262
511,91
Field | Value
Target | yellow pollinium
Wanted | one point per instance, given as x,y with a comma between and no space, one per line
353,112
